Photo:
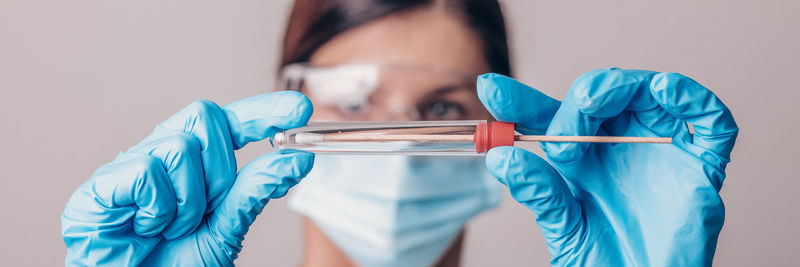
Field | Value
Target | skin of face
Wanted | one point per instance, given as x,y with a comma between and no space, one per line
429,37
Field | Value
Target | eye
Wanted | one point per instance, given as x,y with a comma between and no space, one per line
442,110
353,109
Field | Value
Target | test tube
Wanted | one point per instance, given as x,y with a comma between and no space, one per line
400,138
472,137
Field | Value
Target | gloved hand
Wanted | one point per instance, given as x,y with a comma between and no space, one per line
176,198
619,204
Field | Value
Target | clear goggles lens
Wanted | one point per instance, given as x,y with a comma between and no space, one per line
351,88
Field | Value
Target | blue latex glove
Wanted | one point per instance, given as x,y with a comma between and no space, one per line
619,204
176,198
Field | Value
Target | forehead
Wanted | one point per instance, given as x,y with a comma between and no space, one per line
429,37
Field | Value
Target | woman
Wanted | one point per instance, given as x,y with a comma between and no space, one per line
177,198
392,60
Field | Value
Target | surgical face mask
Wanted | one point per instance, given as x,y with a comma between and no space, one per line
394,210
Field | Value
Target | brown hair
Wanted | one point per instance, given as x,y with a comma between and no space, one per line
312,23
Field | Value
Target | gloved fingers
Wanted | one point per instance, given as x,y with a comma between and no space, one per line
511,101
592,99
714,126
205,121
180,156
268,176
659,121
652,122
259,117
130,180
535,184
222,130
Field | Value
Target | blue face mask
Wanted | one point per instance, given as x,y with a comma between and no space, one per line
394,210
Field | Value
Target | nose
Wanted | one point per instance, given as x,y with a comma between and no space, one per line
403,114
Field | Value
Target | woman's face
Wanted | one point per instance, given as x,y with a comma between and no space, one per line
428,61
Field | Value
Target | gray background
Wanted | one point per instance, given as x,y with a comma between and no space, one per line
81,80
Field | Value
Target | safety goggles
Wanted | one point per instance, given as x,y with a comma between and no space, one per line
379,91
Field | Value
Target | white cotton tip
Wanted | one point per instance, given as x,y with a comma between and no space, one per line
307,138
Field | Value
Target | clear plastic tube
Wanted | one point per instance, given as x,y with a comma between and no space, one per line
423,137
401,138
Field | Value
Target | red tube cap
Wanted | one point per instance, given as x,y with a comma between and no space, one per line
493,134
